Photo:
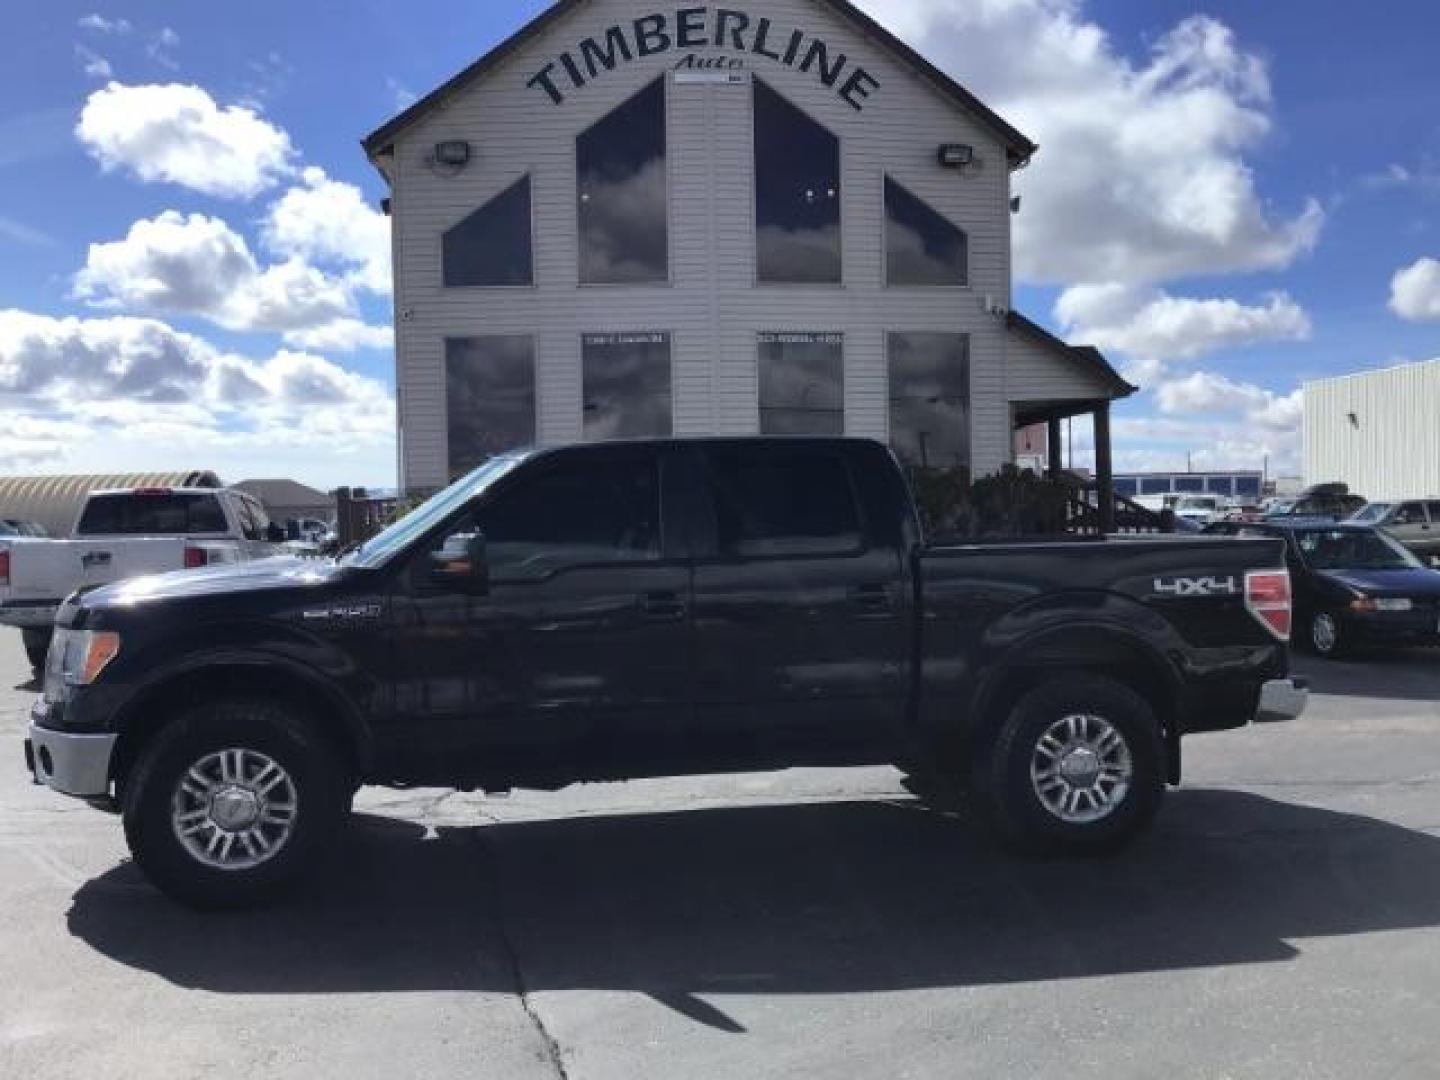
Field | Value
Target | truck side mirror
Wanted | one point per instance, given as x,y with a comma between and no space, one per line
462,564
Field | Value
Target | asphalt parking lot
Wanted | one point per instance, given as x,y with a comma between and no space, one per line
1282,921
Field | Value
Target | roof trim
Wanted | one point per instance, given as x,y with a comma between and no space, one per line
1019,149
1087,356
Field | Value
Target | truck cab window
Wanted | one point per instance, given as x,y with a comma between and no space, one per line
585,513
795,504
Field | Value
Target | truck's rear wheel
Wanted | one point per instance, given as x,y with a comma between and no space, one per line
233,802
37,645
1076,768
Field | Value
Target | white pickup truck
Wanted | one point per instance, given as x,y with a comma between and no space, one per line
124,534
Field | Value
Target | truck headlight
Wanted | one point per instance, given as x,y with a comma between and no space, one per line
84,654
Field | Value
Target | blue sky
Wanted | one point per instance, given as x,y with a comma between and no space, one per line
1321,135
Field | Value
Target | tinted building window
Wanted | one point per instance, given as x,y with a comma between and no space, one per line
930,400
627,385
1126,486
795,503
1248,486
1190,484
1155,486
621,178
490,398
580,513
797,194
492,246
802,384
922,247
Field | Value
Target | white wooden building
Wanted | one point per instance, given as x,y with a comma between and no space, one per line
634,219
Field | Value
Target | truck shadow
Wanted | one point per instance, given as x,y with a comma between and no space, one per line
818,898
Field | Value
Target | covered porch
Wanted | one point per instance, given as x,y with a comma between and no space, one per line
1050,384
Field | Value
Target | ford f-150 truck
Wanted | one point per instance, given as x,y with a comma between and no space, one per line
122,534
654,608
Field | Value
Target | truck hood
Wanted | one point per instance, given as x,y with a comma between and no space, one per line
1415,583
280,572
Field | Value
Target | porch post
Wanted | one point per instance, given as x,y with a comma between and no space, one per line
1104,470
1057,448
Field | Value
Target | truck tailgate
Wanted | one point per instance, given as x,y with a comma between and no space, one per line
52,569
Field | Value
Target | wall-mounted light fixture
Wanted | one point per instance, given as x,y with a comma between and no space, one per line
956,155
453,154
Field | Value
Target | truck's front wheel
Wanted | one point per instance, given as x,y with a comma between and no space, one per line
1077,767
232,802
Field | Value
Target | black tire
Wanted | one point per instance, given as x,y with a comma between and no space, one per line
1325,635
319,790
37,645
1011,797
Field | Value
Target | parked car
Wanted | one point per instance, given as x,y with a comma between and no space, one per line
122,534
654,608
14,527
1355,585
1201,509
1415,523
1332,501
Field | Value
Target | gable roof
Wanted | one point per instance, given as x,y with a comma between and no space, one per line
1019,149
1087,356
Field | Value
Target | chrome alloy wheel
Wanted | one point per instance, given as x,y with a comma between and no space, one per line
234,809
1081,769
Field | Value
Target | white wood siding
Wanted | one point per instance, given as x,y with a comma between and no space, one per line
712,306
1391,450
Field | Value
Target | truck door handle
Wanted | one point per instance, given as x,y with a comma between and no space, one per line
665,606
871,597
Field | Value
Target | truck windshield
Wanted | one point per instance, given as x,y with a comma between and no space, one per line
381,548
1354,549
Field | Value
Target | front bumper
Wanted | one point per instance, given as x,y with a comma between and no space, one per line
72,764
1282,700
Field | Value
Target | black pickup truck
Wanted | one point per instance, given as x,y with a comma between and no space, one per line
657,608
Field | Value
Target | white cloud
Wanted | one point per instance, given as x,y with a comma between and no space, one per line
401,96
329,223
1153,328
197,265
90,392
343,335
1142,175
177,134
1206,393
94,65
101,25
1415,291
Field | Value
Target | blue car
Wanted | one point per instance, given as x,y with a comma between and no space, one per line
1355,585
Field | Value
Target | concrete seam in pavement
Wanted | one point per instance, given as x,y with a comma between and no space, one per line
491,857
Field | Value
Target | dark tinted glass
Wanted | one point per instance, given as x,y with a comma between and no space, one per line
1434,512
1155,487
802,384
142,513
597,511
1127,486
797,194
1190,484
627,385
930,400
620,166
490,398
1219,485
1248,486
921,246
492,245
1410,514
795,503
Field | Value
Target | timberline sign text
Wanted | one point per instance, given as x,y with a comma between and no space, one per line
704,28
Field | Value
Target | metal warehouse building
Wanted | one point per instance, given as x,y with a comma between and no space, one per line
1378,431
634,220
